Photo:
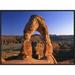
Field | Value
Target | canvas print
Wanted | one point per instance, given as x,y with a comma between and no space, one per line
37,37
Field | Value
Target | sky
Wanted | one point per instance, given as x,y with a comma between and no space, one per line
58,22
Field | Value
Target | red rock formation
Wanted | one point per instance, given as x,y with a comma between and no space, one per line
39,50
37,23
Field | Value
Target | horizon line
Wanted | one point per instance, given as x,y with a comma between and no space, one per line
36,34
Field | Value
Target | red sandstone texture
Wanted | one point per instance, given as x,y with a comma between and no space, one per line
37,23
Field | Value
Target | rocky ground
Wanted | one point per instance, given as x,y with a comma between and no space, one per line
12,59
34,61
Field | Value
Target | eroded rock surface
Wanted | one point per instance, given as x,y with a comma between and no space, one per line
37,23
40,50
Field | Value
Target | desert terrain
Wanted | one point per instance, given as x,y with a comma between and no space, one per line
62,49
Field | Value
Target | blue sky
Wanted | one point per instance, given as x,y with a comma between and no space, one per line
58,22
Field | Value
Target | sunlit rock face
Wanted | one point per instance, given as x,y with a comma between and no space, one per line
44,48
39,50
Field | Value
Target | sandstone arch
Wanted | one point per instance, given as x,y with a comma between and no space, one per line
37,23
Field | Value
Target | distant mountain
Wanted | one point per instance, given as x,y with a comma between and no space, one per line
61,37
53,37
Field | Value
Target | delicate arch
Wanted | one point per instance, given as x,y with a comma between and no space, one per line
37,23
